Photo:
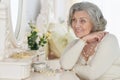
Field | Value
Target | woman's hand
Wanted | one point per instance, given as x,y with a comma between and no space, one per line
96,36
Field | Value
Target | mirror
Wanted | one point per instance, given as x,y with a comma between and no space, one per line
14,4
16,7
22,11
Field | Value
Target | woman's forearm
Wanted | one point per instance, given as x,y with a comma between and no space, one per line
71,55
104,57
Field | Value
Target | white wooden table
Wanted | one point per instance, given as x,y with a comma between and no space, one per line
39,76
54,64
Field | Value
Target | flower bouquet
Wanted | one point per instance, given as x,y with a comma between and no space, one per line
34,40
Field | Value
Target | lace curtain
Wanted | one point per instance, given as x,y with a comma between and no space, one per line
47,14
53,11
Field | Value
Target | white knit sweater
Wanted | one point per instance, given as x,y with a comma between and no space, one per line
104,64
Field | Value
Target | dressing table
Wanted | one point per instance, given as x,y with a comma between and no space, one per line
13,69
24,70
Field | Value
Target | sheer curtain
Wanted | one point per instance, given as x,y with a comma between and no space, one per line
47,14
62,9
6,31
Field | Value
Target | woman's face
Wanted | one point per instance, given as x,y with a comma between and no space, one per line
81,23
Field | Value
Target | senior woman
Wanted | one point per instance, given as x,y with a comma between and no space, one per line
95,54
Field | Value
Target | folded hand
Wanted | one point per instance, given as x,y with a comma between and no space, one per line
96,36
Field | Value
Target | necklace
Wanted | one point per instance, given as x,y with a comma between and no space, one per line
89,50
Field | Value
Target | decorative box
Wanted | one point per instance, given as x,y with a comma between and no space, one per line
15,69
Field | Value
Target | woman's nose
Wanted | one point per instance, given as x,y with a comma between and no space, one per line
77,23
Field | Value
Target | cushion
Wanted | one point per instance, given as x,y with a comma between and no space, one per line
60,38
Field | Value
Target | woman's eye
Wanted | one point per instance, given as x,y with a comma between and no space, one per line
73,20
82,21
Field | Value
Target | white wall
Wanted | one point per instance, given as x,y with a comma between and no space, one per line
112,13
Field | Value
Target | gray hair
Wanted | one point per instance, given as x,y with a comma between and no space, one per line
93,11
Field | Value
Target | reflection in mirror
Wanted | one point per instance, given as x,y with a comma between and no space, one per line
14,4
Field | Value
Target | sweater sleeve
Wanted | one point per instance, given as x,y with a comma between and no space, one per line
71,54
107,52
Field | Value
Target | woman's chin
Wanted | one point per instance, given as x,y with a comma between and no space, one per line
79,36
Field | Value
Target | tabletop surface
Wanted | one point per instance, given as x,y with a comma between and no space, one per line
45,75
